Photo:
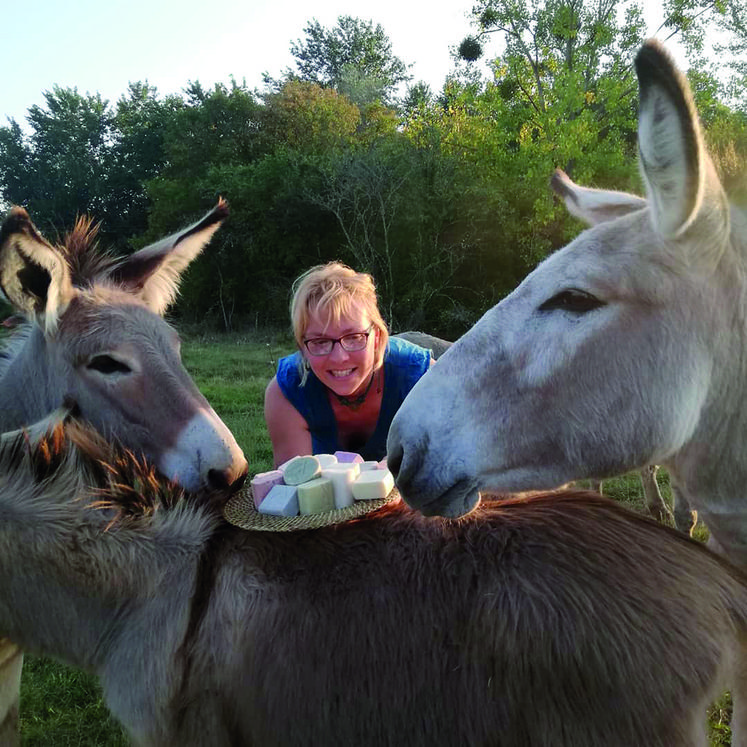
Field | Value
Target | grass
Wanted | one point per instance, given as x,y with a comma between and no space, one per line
61,707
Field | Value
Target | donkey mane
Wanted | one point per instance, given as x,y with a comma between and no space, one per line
85,258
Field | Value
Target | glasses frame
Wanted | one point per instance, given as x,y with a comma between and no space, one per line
333,340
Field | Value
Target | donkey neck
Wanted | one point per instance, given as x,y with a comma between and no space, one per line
27,391
90,582
711,470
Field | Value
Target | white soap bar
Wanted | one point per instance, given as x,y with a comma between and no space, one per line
282,500
353,467
342,482
316,496
365,466
302,470
326,460
372,485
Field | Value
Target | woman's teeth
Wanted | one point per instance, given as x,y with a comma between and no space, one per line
341,374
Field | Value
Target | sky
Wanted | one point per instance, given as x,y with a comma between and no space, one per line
101,46
97,46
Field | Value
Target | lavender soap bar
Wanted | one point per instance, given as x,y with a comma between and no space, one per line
263,482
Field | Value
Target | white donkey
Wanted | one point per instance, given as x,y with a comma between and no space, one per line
95,336
627,347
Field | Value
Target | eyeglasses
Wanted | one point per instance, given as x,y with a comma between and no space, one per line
350,343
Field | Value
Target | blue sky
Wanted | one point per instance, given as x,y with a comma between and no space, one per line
101,46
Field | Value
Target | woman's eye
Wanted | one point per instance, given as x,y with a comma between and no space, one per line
105,364
575,301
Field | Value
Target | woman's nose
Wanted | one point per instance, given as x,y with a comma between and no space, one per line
338,352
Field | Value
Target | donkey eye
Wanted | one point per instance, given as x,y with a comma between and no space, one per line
575,301
105,364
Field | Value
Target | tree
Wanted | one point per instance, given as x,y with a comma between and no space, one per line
355,57
58,170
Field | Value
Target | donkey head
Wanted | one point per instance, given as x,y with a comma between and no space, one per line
97,337
610,354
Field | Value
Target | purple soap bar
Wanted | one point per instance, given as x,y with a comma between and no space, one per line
262,483
348,457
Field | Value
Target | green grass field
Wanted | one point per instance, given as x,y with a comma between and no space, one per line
61,707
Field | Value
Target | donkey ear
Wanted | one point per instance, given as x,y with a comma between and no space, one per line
34,277
670,143
153,273
593,205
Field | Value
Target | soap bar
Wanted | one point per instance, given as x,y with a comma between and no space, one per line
262,483
383,464
282,500
282,467
348,456
365,466
326,460
316,496
373,484
301,470
353,467
342,483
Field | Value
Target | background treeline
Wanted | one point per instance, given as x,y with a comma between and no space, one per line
443,197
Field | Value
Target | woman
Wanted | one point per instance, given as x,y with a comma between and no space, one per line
342,388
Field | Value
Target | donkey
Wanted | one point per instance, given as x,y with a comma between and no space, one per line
94,334
627,347
552,619
655,503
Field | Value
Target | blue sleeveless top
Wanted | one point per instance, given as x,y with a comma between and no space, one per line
404,364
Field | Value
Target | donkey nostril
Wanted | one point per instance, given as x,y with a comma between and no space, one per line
226,480
218,479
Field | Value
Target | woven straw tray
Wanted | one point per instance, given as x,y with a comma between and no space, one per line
240,511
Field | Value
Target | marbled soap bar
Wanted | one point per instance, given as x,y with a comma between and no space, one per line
326,460
373,484
282,467
342,483
302,470
316,496
348,456
262,483
282,500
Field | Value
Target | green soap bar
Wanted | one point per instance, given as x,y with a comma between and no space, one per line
316,496
302,469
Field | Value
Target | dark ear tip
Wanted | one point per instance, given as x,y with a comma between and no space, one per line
16,221
221,210
558,182
654,62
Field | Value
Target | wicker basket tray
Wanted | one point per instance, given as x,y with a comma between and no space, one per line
240,511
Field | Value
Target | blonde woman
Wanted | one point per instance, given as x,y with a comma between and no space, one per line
342,387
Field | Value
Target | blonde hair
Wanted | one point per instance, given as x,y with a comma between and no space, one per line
330,292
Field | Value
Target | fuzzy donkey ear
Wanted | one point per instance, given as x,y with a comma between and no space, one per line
153,273
593,205
682,186
34,277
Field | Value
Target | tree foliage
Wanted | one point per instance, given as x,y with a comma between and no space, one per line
354,57
444,199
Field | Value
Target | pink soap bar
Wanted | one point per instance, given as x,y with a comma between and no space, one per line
348,457
263,482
